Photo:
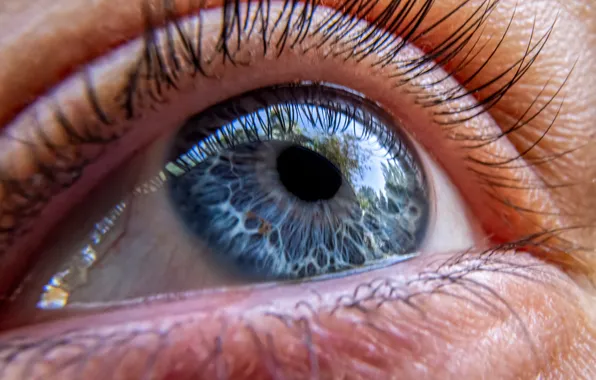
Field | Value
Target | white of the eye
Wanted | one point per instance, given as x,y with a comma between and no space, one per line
452,226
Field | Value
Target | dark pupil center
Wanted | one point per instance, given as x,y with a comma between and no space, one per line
307,174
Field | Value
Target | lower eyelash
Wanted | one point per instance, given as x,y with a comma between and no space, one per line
447,279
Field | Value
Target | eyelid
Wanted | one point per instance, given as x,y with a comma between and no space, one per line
74,26
409,317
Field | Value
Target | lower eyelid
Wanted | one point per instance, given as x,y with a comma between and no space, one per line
306,328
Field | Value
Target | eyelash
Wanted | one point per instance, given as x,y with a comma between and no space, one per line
158,71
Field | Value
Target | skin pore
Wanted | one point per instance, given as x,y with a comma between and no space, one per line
526,315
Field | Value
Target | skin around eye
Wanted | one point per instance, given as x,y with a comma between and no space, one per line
439,317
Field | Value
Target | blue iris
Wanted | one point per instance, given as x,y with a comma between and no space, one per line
297,181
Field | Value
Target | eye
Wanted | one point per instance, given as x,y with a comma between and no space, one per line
233,151
281,183
304,182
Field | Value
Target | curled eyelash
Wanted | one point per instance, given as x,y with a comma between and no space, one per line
397,25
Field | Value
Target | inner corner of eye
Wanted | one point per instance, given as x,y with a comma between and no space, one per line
281,183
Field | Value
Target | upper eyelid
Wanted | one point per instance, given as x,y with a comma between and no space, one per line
414,30
119,25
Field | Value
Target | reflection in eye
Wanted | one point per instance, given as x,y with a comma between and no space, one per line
296,184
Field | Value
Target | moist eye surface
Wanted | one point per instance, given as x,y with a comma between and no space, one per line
296,181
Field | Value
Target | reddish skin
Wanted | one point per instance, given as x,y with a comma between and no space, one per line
241,333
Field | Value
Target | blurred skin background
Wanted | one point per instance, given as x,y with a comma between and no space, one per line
523,310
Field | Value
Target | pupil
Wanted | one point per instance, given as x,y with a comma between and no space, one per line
307,174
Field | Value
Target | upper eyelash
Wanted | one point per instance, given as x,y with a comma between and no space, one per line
158,70
384,29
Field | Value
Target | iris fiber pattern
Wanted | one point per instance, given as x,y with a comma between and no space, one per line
231,195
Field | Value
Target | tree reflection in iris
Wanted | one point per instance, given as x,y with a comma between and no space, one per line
355,193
